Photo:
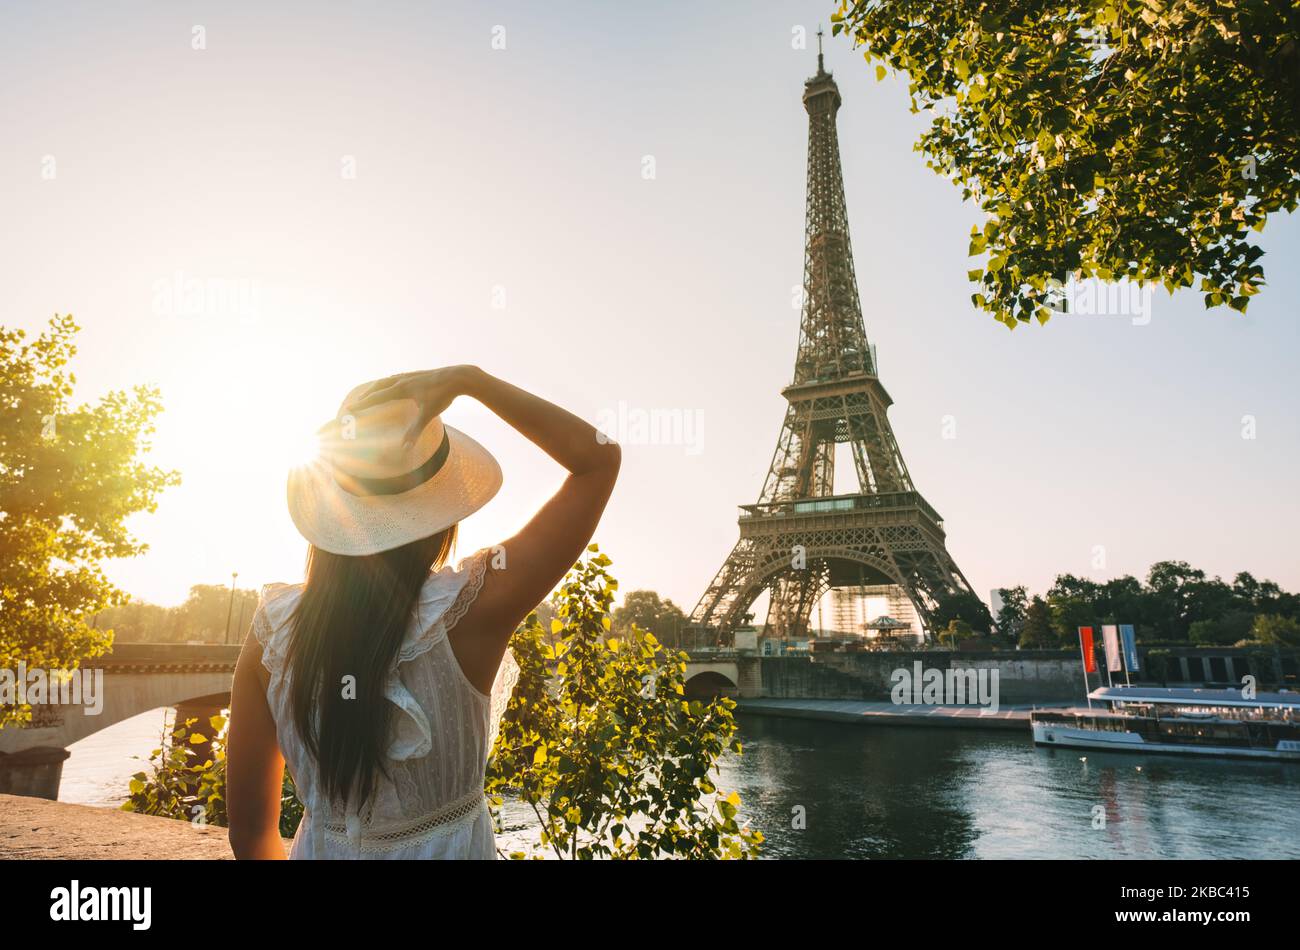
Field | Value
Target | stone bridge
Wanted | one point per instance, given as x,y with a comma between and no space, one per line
194,679
724,674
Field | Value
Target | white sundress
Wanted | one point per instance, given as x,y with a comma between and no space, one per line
431,805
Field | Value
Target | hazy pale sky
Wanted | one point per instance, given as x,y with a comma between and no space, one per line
607,211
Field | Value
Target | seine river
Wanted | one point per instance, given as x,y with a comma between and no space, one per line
833,790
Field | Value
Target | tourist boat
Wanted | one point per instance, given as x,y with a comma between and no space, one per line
1189,721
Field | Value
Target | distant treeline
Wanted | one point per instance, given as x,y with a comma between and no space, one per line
202,617
1177,604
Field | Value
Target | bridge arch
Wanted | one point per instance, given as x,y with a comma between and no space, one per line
710,684
770,570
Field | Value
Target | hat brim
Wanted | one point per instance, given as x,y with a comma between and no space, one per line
340,522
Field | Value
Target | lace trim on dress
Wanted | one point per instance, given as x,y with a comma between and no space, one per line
474,568
417,831
502,687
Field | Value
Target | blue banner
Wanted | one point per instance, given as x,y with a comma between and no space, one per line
1130,647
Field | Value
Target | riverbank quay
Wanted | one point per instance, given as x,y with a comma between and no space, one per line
39,828
862,713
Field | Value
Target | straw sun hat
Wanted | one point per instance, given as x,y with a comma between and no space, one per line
364,493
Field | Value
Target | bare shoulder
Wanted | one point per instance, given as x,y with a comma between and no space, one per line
482,627
249,665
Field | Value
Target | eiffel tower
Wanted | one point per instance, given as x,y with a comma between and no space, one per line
801,539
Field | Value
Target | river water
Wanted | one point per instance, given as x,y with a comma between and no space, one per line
836,790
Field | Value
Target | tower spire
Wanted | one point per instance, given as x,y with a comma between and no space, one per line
821,63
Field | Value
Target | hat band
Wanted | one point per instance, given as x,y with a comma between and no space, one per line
401,483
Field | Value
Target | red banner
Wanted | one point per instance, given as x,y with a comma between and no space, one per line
1089,654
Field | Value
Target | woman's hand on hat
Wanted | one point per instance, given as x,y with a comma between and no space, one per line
433,390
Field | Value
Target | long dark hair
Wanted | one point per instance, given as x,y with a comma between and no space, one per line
350,622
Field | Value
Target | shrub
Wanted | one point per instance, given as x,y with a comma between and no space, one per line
600,741
175,786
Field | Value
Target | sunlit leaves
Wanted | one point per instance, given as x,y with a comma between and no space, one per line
178,785
1122,138
70,477
605,748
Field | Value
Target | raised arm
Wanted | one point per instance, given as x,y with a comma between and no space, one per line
538,556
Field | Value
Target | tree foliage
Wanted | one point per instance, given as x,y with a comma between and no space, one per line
1177,604
1036,632
204,616
647,610
70,476
956,633
1276,630
600,741
961,605
1133,139
1011,615
177,785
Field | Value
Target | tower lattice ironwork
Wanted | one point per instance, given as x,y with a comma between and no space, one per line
801,539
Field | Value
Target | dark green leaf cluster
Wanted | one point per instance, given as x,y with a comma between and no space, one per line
1138,139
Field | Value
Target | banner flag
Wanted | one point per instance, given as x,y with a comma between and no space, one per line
1085,644
1110,637
1129,640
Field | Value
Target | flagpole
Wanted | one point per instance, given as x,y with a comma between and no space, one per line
1124,648
1084,659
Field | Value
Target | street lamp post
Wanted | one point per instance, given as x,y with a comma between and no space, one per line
231,609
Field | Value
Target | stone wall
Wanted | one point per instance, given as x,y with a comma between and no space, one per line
1024,676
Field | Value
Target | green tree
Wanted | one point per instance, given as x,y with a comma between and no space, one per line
1072,602
1276,631
1172,589
176,785
1264,597
645,609
607,751
1011,616
1232,626
1037,632
961,605
1121,600
70,476
203,617
1115,138
955,633
209,611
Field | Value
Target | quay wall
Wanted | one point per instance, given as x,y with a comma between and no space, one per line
1024,676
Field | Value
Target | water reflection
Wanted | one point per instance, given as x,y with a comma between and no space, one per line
929,793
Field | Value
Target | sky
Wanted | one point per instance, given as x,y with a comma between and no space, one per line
603,204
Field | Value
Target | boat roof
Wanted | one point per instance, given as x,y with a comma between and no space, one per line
1195,697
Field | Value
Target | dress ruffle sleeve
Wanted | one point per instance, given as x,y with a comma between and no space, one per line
445,598
271,624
